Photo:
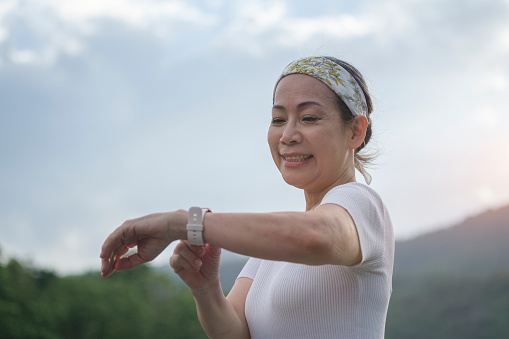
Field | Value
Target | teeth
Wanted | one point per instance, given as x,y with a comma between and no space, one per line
298,158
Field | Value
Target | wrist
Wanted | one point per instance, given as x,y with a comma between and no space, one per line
177,225
194,225
207,290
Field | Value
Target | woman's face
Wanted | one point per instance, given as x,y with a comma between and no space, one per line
307,138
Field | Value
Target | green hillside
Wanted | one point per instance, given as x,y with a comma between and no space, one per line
453,283
132,304
479,246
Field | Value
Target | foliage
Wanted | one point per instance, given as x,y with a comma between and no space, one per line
143,303
132,304
424,306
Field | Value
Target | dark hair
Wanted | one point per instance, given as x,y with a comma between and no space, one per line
348,117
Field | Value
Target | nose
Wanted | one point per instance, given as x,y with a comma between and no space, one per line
291,134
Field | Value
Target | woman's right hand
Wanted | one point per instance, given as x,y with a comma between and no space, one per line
197,266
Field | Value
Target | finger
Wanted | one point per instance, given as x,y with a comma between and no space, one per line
129,262
110,256
179,263
123,236
115,246
106,267
191,253
110,251
198,250
184,251
213,251
112,242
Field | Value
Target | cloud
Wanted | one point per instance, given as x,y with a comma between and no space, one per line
135,13
22,56
260,26
41,31
102,105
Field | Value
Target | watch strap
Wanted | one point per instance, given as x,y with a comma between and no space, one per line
195,225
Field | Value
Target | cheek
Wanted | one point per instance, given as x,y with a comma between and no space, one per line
273,141
272,138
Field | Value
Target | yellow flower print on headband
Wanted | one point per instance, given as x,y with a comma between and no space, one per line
333,75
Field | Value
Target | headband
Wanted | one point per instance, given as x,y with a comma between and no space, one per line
335,77
340,81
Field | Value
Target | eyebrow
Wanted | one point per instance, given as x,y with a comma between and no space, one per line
299,106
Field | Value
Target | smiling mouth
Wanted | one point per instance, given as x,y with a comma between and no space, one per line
297,158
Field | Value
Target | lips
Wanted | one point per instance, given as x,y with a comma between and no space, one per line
297,158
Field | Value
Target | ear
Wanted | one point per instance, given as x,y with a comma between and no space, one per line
359,127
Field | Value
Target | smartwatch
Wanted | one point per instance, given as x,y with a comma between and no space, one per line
195,225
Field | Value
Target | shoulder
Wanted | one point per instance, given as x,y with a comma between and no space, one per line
370,216
351,190
356,197
250,268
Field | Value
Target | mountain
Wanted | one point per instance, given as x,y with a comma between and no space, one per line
479,246
453,283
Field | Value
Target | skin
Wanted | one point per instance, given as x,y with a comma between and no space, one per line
306,121
306,125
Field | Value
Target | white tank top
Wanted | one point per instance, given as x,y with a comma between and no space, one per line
288,300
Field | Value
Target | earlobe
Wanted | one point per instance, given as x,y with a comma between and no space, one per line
359,127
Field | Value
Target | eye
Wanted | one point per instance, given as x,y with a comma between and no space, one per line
310,119
278,121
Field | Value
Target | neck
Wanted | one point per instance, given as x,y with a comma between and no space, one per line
313,198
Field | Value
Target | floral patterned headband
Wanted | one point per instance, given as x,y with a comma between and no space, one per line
335,77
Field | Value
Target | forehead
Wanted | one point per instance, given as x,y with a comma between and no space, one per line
301,87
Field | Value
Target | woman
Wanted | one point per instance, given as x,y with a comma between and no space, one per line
322,273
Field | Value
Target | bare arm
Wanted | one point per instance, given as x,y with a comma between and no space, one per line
198,267
237,298
326,235
223,317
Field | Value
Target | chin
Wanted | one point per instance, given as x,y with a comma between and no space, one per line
295,182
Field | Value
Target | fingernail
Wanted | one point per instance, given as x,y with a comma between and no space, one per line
198,262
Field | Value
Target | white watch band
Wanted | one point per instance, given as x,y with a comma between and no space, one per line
195,226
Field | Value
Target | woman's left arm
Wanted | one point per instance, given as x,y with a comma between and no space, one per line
325,235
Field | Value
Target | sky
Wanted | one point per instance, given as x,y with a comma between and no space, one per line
110,110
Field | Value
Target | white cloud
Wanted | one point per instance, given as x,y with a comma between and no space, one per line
23,56
260,27
72,46
137,13
60,27
299,30
486,117
487,194
6,7
4,34
256,17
